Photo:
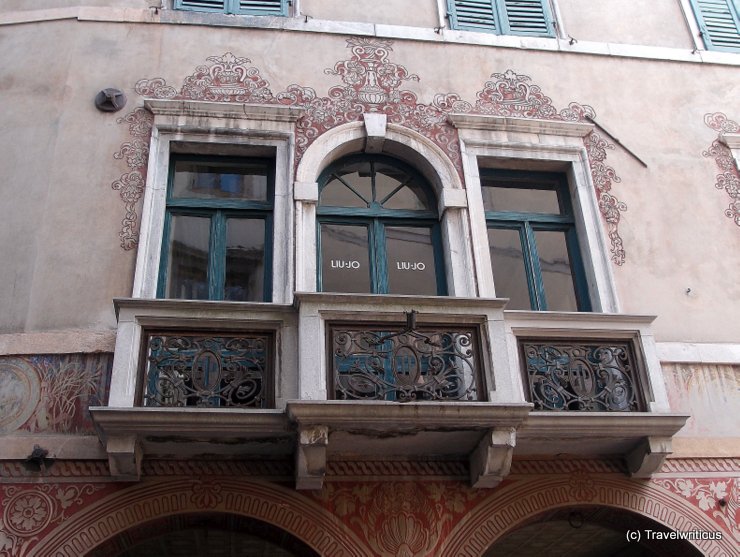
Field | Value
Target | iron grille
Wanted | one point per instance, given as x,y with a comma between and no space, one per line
582,376
386,363
208,371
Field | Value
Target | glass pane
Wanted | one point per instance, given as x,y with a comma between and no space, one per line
336,193
187,269
556,271
345,265
411,196
211,180
245,260
519,199
507,260
410,259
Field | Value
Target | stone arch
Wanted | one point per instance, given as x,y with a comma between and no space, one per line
522,500
400,141
146,501
375,135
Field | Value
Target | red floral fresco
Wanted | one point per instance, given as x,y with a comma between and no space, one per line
728,178
419,518
370,83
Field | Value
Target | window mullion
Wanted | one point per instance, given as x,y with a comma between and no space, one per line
217,257
533,269
378,258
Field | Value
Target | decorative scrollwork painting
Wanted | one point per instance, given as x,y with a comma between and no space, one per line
381,363
370,82
728,178
208,371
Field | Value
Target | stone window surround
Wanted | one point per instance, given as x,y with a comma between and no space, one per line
224,128
505,142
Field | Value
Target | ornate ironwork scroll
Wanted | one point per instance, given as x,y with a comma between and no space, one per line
209,371
582,376
402,364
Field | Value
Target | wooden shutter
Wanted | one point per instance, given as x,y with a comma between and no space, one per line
262,7
201,5
474,15
719,21
528,17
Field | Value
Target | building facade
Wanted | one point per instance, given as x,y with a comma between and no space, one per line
370,278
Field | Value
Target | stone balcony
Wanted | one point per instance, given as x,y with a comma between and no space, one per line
342,376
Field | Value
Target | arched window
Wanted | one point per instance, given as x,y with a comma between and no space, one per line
378,229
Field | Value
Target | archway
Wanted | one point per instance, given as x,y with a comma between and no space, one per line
589,531
206,535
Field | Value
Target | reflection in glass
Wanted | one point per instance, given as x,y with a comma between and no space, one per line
507,261
187,269
211,180
349,187
410,261
345,265
394,189
556,270
519,199
245,259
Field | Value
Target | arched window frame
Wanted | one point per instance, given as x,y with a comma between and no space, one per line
377,218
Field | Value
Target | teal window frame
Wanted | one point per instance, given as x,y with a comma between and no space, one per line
376,218
237,7
719,23
218,211
502,17
528,223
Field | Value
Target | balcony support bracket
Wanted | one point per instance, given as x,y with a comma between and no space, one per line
310,459
490,462
648,456
124,457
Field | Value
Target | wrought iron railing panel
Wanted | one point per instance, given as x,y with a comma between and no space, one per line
208,371
378,362
582,376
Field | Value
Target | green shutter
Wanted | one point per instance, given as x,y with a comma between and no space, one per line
201,5
473,15
251,7
719,21
506,17
528,17
261,7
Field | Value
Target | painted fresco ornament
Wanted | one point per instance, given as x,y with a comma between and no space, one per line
370,82
729,177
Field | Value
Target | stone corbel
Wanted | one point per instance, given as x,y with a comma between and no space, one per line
124,457
375,128
310,465
490,462
648,456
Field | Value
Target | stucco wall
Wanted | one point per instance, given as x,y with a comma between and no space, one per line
63,230
643,22
420,13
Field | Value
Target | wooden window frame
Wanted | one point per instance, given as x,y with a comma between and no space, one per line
527,223
218,211
376,219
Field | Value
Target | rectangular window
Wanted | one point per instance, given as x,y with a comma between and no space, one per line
218,224
245,7
719,21
532,241
503,17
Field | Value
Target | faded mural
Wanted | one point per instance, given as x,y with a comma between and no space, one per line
51,393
